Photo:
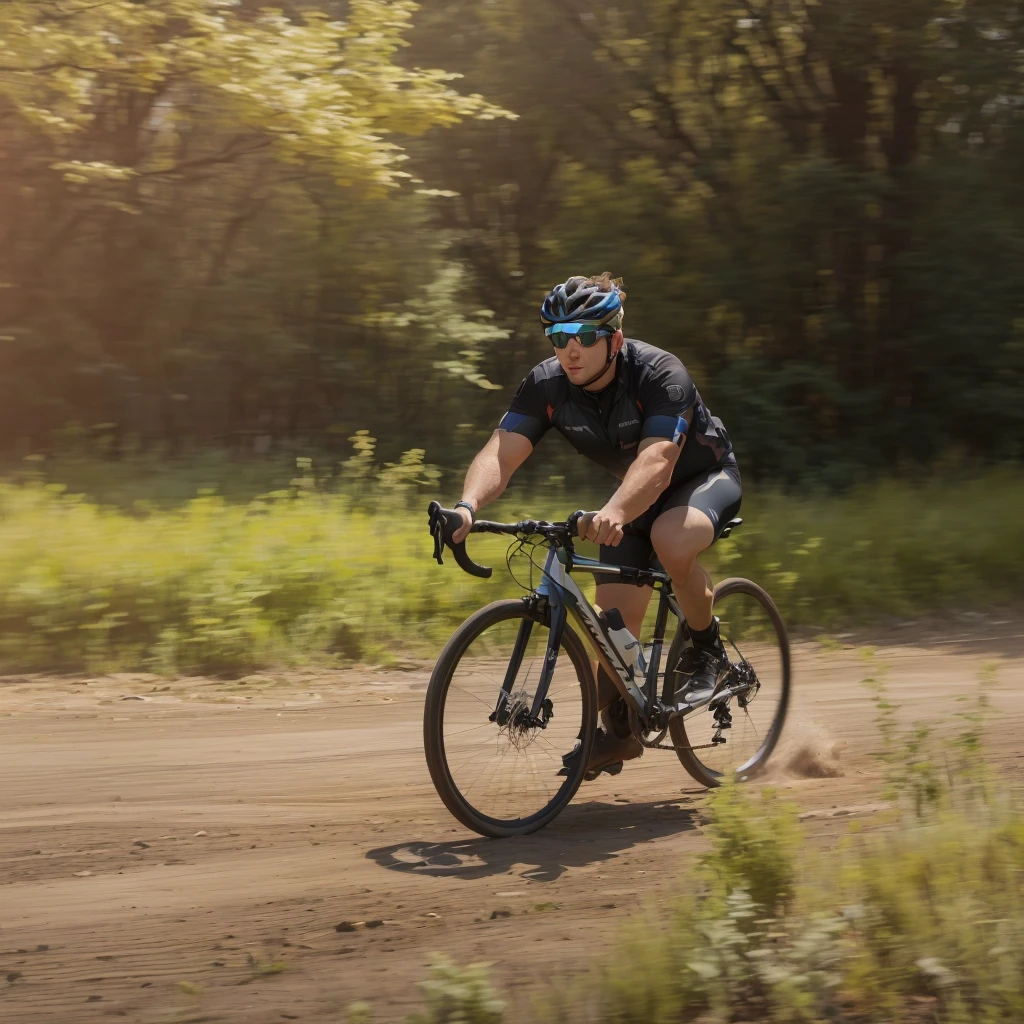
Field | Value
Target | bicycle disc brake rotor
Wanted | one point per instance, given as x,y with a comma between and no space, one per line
518,721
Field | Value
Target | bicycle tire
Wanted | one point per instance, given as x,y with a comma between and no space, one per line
689,758
433,721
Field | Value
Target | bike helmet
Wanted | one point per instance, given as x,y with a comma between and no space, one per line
596,301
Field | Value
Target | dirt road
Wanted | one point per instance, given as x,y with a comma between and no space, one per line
273,850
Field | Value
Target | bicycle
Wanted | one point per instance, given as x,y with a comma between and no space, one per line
511,706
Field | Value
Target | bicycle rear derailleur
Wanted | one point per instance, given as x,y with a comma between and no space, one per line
723,721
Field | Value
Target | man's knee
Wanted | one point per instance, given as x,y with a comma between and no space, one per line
679,536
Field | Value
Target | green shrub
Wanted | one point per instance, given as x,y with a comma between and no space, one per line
754,846
337,568
921,922
455,995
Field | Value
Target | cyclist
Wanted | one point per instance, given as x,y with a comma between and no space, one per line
633,409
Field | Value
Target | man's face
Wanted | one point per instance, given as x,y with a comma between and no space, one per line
582,364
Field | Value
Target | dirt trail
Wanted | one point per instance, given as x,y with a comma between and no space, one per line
190,856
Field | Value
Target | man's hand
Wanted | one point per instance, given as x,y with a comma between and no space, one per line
463,531
604,527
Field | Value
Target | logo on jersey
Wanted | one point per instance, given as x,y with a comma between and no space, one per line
675,392
629,423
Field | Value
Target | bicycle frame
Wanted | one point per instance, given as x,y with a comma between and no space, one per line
564,597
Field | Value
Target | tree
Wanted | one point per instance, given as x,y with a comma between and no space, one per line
144,140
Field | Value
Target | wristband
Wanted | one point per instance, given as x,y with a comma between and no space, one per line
466,504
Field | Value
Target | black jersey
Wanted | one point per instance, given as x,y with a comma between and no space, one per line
651,390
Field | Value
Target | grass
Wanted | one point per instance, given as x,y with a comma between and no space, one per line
340,573
921,923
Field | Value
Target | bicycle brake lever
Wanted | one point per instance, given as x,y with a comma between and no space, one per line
443,524
436,530
573,522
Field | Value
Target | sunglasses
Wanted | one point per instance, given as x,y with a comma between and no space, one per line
586,334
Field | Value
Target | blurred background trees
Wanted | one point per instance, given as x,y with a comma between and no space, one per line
229,227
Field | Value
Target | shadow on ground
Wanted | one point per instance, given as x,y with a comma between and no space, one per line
584,834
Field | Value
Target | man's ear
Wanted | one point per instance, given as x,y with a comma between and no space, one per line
617,341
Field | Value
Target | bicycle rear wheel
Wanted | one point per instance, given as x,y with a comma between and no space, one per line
501,777
758,648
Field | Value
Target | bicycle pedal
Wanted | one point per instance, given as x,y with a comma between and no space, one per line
608,769
569,762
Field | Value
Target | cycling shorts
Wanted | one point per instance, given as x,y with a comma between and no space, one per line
717,492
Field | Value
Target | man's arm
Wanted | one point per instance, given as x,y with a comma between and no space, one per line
644,481
666,395
490,472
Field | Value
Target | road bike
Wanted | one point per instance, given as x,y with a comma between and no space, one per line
512,704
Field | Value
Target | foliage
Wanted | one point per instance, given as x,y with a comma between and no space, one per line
903,923
920,921
313,87
907,755
753,849
455,995
920,775
782,187
229,225
331,562
189,182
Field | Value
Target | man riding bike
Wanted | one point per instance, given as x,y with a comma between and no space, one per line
633,409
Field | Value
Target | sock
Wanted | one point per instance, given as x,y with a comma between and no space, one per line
705,637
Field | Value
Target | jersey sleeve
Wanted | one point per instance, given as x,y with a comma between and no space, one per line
528,414
666,392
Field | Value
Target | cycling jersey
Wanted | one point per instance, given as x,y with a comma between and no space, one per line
651,390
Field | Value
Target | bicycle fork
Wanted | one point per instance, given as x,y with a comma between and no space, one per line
541,710
561,594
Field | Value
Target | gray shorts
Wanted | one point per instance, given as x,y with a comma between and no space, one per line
717,492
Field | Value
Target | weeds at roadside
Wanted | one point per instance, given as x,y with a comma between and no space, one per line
458,995
910,769
315,572
923,922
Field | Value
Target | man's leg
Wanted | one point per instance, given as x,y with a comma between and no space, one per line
679,535
687,526
614,742
632,604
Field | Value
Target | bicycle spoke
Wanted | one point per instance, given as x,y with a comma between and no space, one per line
761,669
487,705
512,774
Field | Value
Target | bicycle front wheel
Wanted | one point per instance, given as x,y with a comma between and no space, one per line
758,648
499,771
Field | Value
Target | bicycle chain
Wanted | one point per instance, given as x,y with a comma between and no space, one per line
665,746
